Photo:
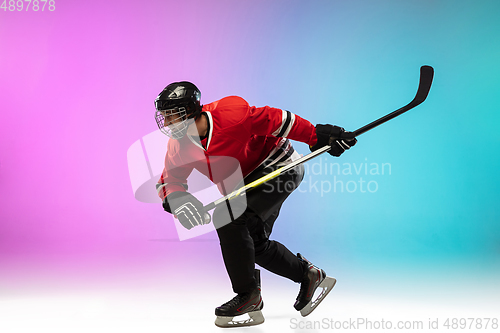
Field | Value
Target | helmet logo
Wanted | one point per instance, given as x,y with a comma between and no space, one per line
178,92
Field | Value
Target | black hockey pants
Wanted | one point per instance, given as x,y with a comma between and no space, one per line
245,240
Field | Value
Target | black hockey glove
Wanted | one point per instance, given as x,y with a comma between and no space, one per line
187,209
331,135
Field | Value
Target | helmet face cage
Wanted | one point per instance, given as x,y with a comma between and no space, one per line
173,122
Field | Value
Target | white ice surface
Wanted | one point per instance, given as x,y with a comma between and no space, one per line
164,307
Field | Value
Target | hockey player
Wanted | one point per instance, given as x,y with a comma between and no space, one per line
258,139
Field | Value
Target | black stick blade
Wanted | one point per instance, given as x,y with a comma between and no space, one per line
426,76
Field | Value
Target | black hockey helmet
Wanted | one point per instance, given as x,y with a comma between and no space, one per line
177,103
180,94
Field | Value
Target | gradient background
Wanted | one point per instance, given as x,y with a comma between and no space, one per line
76,91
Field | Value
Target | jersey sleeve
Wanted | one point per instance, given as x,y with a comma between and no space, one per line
282,123
174,175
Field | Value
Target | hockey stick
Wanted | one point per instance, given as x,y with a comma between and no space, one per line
426,76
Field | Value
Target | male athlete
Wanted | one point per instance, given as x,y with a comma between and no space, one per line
205,138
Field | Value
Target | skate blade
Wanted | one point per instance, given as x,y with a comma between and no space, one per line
326,285
255,318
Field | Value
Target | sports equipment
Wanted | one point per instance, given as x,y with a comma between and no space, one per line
314,278
246,303
177,103
186,207
331,135
426,76
424,86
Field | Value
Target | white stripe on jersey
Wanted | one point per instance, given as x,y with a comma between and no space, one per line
196,140
283,119
289,125
286,116
160,187
210,126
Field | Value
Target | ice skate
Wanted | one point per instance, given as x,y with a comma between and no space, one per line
313,279
243,310
247,303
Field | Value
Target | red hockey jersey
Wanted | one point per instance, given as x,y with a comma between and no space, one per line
247,135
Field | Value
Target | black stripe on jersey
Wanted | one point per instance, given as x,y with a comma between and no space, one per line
286,124
278,153
265,165
272,159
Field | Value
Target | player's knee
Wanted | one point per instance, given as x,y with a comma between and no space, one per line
262,248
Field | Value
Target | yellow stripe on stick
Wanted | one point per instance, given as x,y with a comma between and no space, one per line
255,183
